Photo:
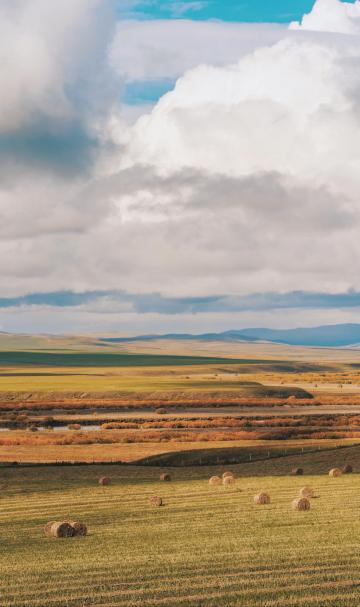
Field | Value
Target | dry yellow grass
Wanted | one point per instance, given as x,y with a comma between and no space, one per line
135,451
233,554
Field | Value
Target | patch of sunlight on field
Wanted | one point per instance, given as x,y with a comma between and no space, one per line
130,452
101,379
209,547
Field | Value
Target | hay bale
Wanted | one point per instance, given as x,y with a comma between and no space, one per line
59,529
335,472
80,529
215,480
301,504
262,498
228,480
297,472
307,492
156,501
227,474
165,476
348,469
105,480
47,528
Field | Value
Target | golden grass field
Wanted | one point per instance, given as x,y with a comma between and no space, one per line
78,366
204,378
206,547
209,547
133,452
74,380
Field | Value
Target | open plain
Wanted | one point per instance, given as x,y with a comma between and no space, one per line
207,546
129,415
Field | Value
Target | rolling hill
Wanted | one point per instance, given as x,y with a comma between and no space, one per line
336,336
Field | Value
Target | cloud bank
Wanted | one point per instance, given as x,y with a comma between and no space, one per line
242,180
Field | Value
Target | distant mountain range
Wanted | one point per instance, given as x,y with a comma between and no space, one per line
344,335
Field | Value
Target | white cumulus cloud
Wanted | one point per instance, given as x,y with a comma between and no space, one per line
290,110
243,179
45,48
331,16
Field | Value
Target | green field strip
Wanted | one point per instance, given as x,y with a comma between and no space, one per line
100,359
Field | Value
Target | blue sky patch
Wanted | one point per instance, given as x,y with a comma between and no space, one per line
146,91
156,303
251,11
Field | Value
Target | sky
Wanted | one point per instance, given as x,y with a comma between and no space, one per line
255,11
178,166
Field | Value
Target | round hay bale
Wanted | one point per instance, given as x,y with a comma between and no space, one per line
47,528
301,504
307,492
215,480
104,480
161,411
156,501
165,476
228,480
61,529
262,498
348,469
227,474
79,528
335,472
297,472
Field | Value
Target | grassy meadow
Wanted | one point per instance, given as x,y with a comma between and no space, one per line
28,451
80,381
70,364
134,380
207,546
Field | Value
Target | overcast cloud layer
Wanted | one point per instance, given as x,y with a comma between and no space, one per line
244,180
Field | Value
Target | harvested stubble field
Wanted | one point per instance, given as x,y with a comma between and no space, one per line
208,546
38,453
